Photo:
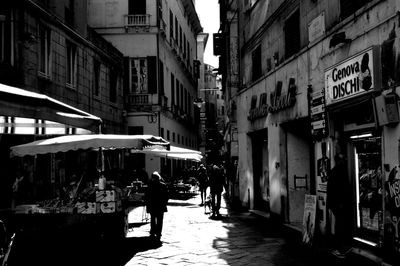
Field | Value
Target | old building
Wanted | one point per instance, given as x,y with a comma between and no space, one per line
317,78
66,71
159,43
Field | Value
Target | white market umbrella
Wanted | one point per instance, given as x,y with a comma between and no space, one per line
173,153
91,141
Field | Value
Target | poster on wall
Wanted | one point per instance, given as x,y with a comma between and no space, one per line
310,206
323,168
321,212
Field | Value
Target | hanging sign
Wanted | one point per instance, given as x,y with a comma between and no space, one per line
353,76
317,114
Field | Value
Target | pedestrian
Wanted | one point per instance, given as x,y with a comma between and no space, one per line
338,198
216,187
17,189
156,199
202,178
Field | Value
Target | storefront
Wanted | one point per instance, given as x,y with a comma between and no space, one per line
362,125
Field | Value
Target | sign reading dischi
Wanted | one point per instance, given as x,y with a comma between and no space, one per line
353,76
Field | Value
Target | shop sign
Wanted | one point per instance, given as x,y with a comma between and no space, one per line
354,76
278,101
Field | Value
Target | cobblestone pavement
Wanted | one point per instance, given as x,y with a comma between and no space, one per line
192,238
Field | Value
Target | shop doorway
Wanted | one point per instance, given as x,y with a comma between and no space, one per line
366,151
260,170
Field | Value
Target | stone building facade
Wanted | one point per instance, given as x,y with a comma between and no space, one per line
159,40
318,79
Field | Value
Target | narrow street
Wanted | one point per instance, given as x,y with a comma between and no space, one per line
190,237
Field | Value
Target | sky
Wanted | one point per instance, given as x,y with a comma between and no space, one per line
208,12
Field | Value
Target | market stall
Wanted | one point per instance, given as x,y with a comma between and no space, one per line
93,203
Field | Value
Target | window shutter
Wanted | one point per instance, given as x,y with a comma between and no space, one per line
152,74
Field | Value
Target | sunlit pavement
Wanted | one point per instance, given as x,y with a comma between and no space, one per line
191,237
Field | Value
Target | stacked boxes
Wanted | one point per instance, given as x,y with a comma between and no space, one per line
108,201
86,207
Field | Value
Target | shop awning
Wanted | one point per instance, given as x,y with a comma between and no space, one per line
174,153
92,141
22,103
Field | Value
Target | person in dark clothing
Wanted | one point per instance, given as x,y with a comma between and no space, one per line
156,198
202,178
338,200
216,187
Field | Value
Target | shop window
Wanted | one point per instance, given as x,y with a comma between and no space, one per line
137,7
44,50
292,34
71,65
256,63
348,8
138,75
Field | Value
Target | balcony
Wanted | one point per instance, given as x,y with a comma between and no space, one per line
137,20
138,101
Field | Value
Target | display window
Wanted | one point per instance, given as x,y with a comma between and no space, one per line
368,184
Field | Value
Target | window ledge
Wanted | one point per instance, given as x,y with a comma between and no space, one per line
44,76
70,86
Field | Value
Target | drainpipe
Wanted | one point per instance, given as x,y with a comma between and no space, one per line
158,3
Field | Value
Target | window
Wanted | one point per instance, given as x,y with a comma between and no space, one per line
96,77
161,77
180,38
176,30
71,64
179,139
138,75
69,12
256,63
350,7
44,50
137,7
167,134
172,89
113,85
173,136
222,110
182,97
162,132
292,34
7,38
177,92
184,46
171,26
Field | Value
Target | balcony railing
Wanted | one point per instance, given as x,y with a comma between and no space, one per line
137,20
